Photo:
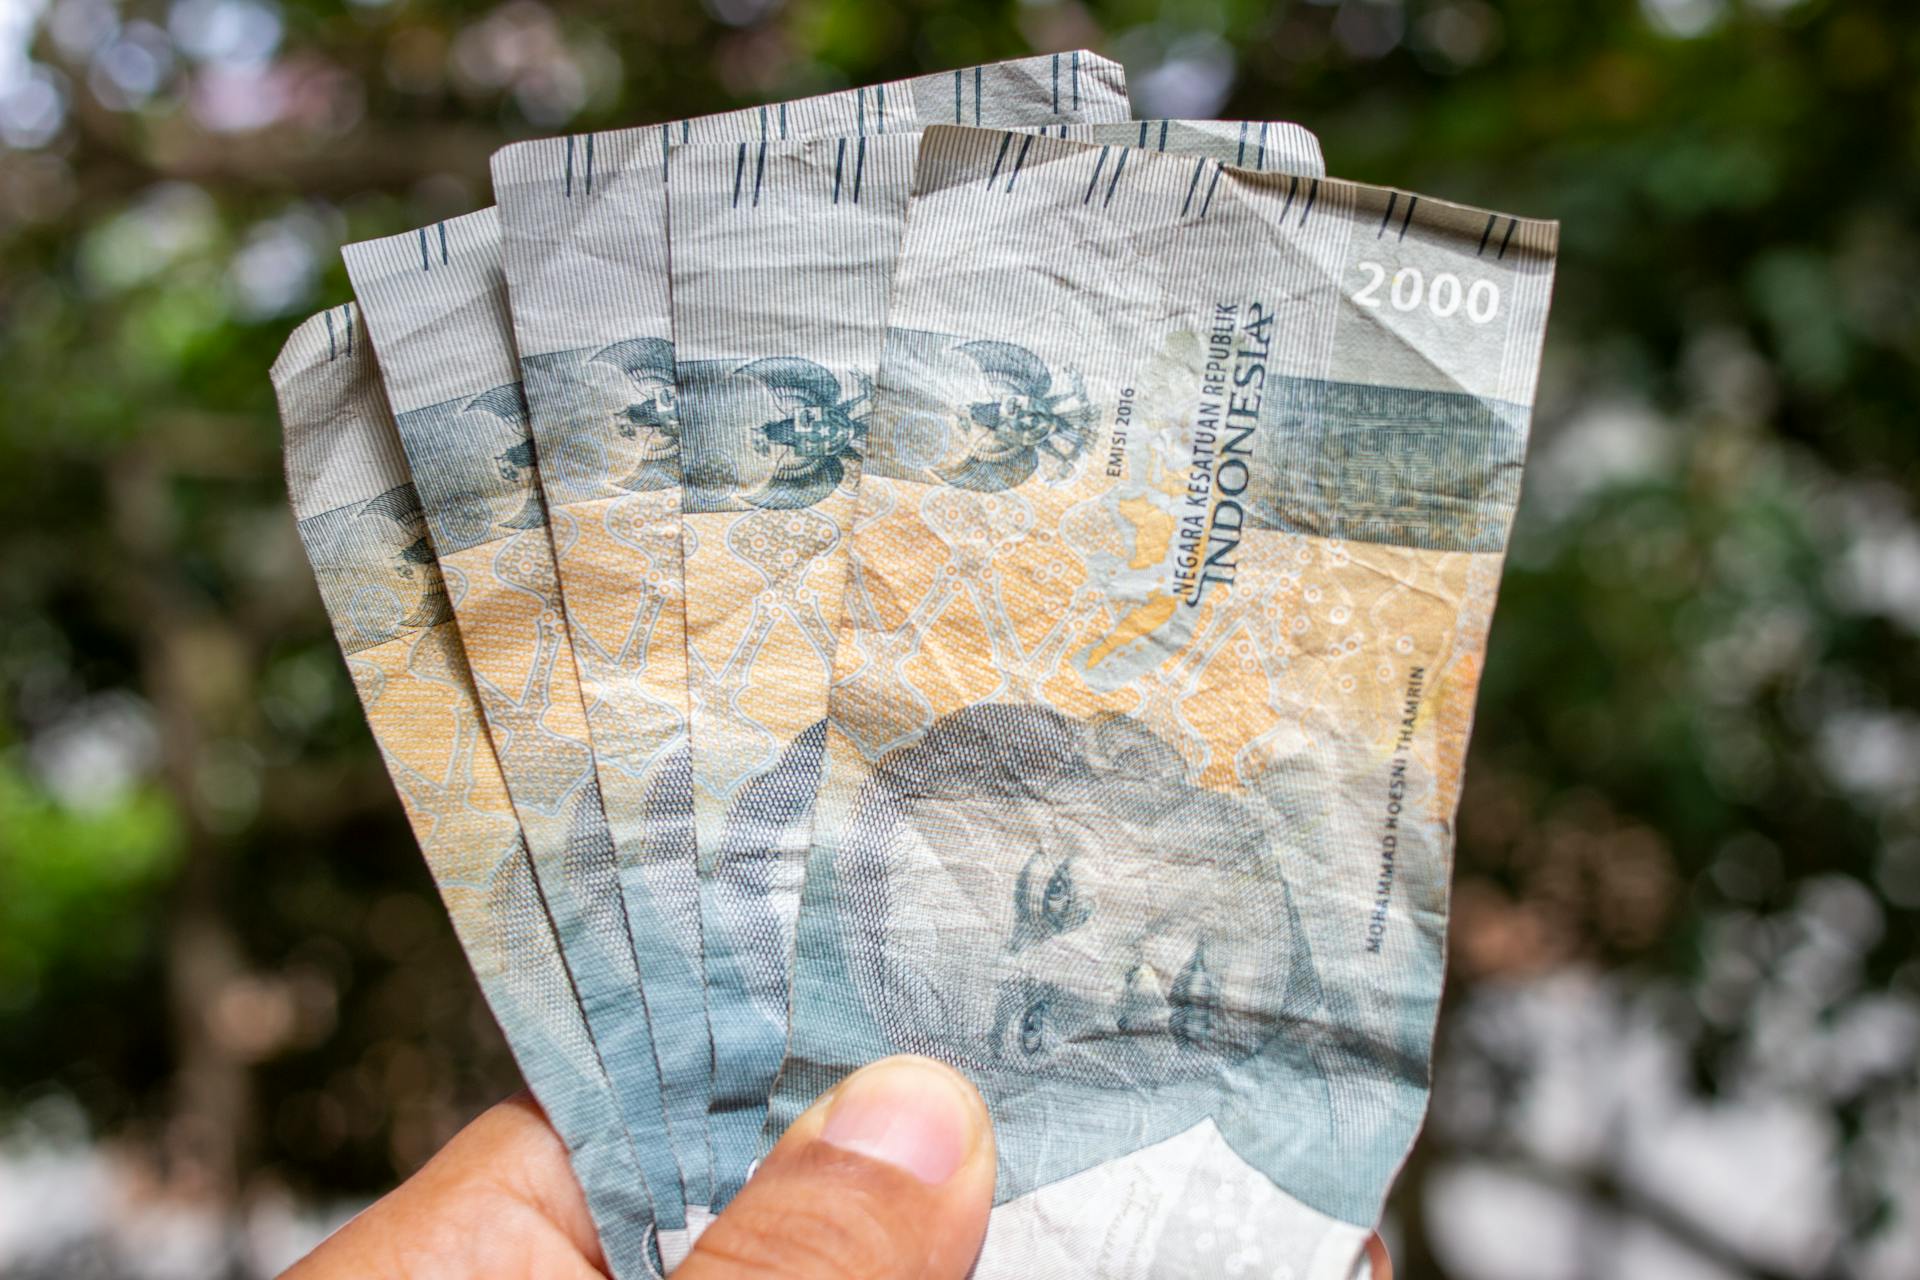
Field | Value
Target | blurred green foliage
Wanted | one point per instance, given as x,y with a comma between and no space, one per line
77,883
1697,760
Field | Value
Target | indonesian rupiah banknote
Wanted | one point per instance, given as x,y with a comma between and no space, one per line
435,305
1184,502
584,227
364,532
781,258
780,250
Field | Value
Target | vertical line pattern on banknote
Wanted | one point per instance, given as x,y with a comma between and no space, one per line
345,473
963,293
488,520
532,339
777,327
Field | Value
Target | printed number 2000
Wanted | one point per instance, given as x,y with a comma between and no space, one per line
1445,297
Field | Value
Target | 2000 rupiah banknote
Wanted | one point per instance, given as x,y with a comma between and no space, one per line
780,249
584,229
781,259
1178,537
435,303
361,523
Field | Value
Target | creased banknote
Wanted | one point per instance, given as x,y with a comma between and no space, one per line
435,303
361,523
1182,517
780,254
781,261
584,227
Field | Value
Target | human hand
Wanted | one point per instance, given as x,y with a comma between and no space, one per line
887,1177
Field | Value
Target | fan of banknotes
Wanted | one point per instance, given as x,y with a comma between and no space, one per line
943,568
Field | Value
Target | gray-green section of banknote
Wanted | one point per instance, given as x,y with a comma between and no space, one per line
745,901
582,1110
606,419
375,566
1418,468
1413,468
607,427
776,432
1085,1066
472,458
377,588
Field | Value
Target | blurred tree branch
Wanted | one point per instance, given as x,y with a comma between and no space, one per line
210,1131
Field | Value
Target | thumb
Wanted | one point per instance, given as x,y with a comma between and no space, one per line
887,1177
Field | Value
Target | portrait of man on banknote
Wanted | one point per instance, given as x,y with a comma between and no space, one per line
990,923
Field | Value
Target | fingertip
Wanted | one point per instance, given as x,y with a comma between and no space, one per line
916,1114
889,1173
1378,1259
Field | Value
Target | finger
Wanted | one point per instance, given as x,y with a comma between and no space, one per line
498,1200
1378,1257
887,1177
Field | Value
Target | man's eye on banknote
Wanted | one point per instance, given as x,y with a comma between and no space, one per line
1081,914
